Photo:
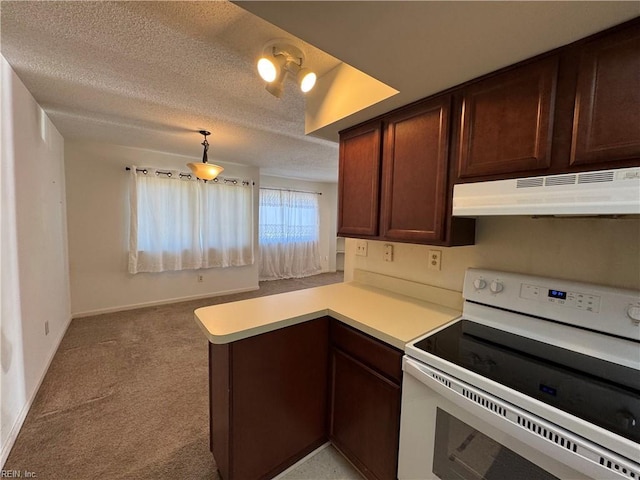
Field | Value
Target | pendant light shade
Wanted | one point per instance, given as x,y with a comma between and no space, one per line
205,170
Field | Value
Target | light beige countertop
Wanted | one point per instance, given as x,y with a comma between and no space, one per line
391,317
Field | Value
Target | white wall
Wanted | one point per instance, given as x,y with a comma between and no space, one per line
596,250
98,216
35,280
328,203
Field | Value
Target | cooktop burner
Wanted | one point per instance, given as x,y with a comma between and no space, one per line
601,392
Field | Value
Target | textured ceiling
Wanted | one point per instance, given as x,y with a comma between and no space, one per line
151,74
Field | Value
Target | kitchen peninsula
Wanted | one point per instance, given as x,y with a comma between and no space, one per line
289,372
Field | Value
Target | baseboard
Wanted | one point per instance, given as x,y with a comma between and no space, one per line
134,306
17,426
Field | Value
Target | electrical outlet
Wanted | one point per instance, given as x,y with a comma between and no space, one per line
200,278
388,252
435,257
361,248
46,327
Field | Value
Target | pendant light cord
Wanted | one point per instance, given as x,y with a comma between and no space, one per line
205,144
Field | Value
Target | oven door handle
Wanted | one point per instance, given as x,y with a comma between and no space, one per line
581,454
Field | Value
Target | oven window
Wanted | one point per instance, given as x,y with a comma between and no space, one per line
463,453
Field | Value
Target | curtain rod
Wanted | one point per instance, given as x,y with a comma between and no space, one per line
159,172
289,190
235,181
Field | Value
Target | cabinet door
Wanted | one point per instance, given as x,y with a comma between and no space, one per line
269,400
359,181
607,110
365,417
507,121
415,159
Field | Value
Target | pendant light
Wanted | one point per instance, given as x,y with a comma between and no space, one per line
205,170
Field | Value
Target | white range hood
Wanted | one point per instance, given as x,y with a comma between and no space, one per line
604,192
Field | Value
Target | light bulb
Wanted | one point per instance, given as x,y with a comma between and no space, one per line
267,69
306,79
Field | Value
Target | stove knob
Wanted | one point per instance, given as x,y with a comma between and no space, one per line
479,283
496,286
634,313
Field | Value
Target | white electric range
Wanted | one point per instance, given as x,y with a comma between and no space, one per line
538,379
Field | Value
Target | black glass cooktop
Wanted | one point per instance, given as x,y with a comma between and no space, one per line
595,390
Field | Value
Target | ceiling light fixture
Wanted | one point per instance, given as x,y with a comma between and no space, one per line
205,170
277,60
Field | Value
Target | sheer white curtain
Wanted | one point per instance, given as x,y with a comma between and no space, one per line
180,224
289,234
227,225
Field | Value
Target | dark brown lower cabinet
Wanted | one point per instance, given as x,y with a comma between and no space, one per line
268,400
276,397
364,417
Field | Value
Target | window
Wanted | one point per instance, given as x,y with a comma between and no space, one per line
179,224
289,234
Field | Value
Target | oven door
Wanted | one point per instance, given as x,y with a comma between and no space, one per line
451,430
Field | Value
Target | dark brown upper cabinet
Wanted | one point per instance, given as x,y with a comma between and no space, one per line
576,108
393,181
506,121
359,181
415,160
606,125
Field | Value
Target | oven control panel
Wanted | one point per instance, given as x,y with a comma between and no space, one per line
596,307
582,301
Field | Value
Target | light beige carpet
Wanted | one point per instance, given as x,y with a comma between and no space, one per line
126,396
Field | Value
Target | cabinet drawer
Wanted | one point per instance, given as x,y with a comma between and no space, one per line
374,353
